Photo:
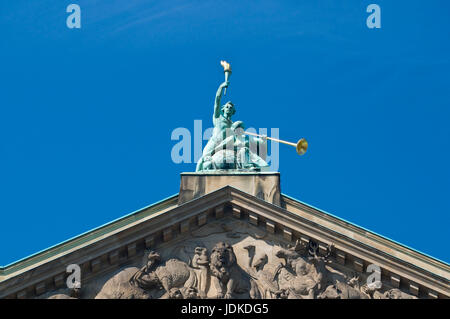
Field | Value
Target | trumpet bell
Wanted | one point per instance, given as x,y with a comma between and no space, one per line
302,146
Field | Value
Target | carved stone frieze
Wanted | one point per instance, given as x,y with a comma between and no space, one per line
230,258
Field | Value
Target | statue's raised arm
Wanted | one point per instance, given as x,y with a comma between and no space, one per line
218,98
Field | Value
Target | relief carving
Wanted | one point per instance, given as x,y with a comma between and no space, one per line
226,274
175,277
297,272
213,264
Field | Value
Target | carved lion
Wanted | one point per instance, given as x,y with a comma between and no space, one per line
226,274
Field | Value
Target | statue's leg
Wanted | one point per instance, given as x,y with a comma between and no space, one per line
207,152
205,162
199,165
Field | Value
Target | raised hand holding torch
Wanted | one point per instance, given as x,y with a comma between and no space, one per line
227,71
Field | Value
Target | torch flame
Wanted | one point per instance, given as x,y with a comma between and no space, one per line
226,66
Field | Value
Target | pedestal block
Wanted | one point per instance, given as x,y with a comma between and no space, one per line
264,185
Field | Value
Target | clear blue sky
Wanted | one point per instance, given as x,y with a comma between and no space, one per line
86,115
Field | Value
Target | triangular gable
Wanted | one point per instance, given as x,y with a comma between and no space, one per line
102,249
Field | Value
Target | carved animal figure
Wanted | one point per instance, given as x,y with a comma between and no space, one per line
172,274
145,278
262,283
119,287
226,275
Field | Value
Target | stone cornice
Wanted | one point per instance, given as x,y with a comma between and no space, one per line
396,249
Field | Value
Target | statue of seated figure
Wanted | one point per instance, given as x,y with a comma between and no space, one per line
229,148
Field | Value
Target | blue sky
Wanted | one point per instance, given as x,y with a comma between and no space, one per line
86,115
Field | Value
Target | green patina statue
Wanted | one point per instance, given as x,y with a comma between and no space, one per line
228,148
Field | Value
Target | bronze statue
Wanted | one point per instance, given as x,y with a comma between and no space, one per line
228,147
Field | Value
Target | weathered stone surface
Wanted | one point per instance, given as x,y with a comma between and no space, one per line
396,293
264,185
61,296
230,258
119,287
227,276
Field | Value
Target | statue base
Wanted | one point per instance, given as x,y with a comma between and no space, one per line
263,185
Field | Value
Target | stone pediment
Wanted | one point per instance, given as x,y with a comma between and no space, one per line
282,248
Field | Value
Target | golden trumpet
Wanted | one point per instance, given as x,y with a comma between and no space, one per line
301,146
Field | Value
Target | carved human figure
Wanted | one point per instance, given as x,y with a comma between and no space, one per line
200,262
302,282
303,278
